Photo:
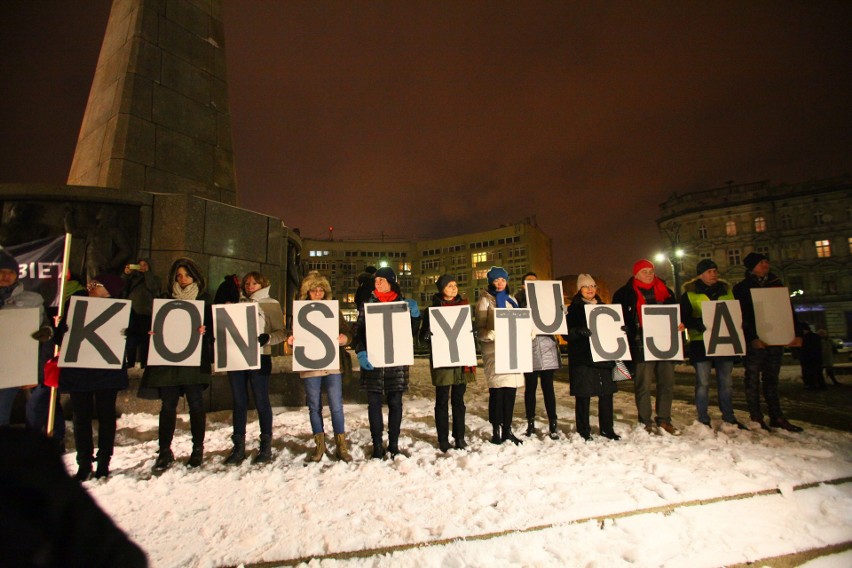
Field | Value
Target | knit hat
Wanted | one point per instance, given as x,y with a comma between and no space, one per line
443,280
113,283
640,264
496,272
7,261
752,259
585,280
704,265
387,273
228,291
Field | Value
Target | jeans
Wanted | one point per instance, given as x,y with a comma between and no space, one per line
38,405
7,401
240,383
374,414
333,385
724,368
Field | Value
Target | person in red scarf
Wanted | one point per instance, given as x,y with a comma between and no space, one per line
644,287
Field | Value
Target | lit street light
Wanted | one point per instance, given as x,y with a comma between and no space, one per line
675,260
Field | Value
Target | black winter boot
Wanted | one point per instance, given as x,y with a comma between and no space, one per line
103,467
378,449
442,424
495,435
84,471
196,457
530,428
165,458
264,453
238,454
554,434
508,436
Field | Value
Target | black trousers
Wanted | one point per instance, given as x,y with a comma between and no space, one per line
168,413
377,425
547,392
605,414
443,396
501,407
86,405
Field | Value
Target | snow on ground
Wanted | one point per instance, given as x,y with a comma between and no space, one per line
539,504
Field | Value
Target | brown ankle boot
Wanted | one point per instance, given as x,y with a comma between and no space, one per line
319,451
342,450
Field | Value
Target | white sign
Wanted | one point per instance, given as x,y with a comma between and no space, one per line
389,340
452,337
513,333
96,333
723,336
316,327
660,337
236,327
19,351
175,339
544,298
773,315
608,340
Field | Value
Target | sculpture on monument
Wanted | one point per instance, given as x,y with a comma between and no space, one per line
107,246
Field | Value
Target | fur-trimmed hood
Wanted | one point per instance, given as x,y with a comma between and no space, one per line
314,280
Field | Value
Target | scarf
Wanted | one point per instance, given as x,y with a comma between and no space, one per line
503,298
661,293
188,293
388,296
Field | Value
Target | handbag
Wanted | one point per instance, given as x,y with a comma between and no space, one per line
51,372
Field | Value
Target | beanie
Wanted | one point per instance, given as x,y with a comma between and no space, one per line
228,291
585,280
640,264
704,265
7,261
113,283
387,273
752,259
443,280
496,272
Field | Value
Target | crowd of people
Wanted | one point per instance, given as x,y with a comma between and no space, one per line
93,391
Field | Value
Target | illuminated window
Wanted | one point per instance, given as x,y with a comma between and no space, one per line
786,221
702,231
733,257
478,257
759,224
481,274
731,228
823,248
819,217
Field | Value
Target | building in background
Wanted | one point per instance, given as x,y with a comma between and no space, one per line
519,248
805,229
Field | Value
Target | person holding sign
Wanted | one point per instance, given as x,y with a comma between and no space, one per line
502,388
588,378
173,381
546,360
762,361
316,287
450,382
707,287
93,394
645,288
141,286
376,381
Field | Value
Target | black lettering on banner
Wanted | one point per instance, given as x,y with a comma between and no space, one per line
553,327
386,310
159,323
621,342
716,338
674,342
225,327
327,342
513,315
453,332
80,331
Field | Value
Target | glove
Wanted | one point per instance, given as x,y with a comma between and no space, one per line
584,332
263,339
700,327
43,335
624,328
413,308
363,361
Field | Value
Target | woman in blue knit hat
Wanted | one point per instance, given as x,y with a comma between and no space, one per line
502,388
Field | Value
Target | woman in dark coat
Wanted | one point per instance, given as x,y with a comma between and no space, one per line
390,381
588,378
93,393
185,283
448,380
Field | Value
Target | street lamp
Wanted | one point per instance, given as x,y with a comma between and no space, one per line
675,260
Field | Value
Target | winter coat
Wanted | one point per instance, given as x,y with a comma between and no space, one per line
586,376
379,379
141,288
626,296
485,330
445,376
695,292
270,318
345,362
545,348
156,376
742,292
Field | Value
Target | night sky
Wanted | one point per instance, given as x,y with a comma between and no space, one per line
429,119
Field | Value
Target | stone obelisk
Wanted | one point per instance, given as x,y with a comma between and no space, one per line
158,119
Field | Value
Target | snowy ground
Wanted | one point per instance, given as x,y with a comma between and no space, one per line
707,498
